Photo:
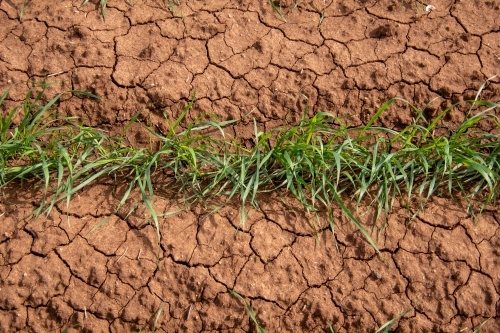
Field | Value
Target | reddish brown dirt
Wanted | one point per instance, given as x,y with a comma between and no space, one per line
55,273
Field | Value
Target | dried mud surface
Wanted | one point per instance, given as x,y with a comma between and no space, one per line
56,273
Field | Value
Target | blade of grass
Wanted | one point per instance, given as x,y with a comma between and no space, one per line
276,10
388,325
23,8
250,311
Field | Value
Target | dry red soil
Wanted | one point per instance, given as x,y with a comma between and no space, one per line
57,274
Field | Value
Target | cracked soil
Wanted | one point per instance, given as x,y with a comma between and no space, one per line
239,56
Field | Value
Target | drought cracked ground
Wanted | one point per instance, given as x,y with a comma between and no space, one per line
240,56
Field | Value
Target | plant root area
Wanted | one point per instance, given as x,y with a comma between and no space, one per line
59,273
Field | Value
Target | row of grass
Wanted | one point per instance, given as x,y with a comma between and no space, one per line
320,161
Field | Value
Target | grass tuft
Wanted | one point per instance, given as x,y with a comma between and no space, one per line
277,10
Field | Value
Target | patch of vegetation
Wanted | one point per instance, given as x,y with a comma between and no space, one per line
319,161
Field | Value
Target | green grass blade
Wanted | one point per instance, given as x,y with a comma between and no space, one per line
250,311
84,93
376,116
157,317
478,328
103,9
149,206
354,220
23,8
388,325
276,10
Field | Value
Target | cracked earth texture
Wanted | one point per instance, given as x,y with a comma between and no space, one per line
239,56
